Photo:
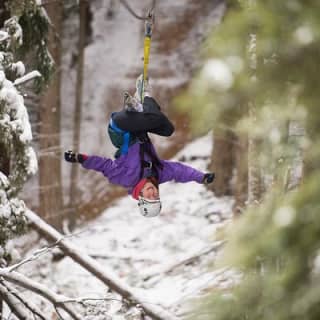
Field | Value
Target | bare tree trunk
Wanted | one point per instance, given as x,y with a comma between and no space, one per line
4,13
49,135
281,176
241,186
254,171
222,161
77,112
102,273
4,160
254,177
310,160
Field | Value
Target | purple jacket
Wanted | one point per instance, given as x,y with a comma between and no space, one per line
125,171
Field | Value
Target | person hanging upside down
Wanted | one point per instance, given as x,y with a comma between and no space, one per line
137,166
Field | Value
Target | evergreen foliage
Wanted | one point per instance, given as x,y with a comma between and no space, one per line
15,129
275,246
35,25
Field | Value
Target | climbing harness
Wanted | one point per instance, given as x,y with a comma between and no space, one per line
148,168
120,139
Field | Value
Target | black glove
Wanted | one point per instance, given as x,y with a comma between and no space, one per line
73,157
208,178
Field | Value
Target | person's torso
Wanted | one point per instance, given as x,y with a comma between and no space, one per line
128,170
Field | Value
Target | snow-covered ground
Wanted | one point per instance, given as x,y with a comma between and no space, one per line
166,259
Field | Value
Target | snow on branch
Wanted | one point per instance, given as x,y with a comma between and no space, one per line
28,77
33,257
14,300
13,303
56,299
3,35
39,252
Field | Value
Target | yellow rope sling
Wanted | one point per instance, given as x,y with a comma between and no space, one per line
146,54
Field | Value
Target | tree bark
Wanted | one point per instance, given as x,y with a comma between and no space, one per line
49,135
77,112
222,161
241,185
4,13
254,171
106,276
4,159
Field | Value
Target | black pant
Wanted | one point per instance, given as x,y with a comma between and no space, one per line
150,120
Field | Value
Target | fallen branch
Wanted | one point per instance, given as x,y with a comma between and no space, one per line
168,269
23,281
13,303
91,265
33,257
123,257
15,300
39,252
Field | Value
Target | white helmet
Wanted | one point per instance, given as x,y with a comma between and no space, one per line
149,208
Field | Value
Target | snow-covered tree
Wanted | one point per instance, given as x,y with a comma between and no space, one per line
17,158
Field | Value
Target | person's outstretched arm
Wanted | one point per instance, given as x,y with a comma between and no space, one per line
150,120
100,164
179,172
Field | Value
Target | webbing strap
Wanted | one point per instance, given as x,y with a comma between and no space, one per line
125,134
147,44
151,169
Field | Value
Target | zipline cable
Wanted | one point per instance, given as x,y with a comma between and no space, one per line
126,5
149,22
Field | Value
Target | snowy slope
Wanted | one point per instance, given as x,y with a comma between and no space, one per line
151,255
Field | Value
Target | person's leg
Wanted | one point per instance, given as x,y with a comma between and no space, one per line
143,88
150,120
137,118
